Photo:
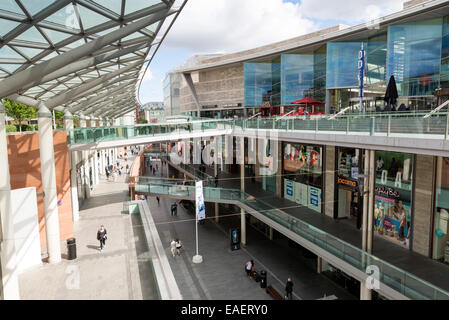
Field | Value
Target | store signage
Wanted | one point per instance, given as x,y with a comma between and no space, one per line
314,199
347,182
210,106
387,192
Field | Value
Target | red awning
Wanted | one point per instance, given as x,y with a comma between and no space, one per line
307,101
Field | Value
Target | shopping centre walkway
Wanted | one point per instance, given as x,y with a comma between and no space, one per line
221,275
122,271
427,269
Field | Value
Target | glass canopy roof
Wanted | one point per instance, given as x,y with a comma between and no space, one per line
83,56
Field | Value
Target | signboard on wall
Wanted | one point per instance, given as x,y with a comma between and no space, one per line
314,199
289,190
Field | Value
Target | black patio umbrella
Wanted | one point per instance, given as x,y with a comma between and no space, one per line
391,95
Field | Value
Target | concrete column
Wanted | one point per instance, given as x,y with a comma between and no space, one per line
9,286
217,212
48,172
270,236
102,161
97,169
365,293
243,226
73,160
329,181
279,170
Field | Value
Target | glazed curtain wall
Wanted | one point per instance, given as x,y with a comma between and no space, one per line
262,83
342,68
303,76
444,76
414,56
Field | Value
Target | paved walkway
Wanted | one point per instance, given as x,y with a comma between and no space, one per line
221,276
423,267
122,271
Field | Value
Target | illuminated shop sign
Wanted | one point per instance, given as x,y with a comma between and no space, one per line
347,182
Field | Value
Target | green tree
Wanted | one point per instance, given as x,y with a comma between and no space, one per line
19,111
142,121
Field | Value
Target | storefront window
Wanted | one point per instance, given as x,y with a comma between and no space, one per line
441,218
393,200
302,170
349,202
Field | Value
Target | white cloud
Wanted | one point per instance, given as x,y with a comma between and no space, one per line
233,25
349,11
148,76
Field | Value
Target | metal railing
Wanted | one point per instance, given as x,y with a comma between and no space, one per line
405,124
400,280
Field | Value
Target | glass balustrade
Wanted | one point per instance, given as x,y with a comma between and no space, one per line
400,280
398,124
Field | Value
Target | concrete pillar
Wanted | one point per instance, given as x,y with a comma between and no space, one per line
270,233
48,172
73,160
9,286
329,181
102,162
243,226
217,212
365,293
97,167
279,170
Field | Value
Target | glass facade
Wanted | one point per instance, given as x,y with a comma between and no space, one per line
414,56
262,82
444,76
342,67
303,76
303,174
393,196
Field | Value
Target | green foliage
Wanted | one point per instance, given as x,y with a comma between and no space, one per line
75,120
59,126
36,127
19,111
25,127
59,115
142,121
11,128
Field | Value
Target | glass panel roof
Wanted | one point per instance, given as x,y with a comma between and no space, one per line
66,17
29,52
10,5
7,52
35,43
113,5
6,26
90,18
55,36
35,6
32,35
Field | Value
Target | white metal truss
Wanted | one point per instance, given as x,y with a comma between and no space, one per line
82,56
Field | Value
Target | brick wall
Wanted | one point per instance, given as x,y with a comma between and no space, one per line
25,171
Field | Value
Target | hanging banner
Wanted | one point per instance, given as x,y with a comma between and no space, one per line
199,197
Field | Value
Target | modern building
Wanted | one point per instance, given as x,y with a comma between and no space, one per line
323,65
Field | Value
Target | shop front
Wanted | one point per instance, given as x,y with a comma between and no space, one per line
393,197
349,204
303,174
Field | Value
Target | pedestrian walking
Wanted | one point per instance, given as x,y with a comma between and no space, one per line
289,289
178,247
102,237
216,181
107,173
248,267
175,209
173,247
158,201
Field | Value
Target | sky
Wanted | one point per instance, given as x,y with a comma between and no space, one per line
226,26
